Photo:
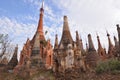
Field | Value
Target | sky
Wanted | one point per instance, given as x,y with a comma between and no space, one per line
19,19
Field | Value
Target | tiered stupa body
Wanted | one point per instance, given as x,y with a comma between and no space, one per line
77,51
36,53
4,61
66,36
92,57
116,47
111,47
116,42
68,53
13,62
55,55
118,30
64,53
38,43
56,42
101,51
38,39
66,47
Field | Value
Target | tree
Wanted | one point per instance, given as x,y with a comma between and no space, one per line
4,44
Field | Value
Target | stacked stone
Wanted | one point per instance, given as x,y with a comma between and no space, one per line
116,47
92,57
110,48
64,54
101,51
118,30
70,74
36,53
13,62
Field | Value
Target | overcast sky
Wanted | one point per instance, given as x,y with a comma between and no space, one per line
19,18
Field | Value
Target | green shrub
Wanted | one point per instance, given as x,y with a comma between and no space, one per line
114,72
108,66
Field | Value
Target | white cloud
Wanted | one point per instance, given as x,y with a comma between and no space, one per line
54,25
18,32
89,16
86,16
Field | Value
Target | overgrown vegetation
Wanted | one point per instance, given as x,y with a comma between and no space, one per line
40,75
48,75
5,45
43,42
112,66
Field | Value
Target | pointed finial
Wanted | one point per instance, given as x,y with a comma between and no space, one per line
80,36
56,35
97,34
65,18
115,38
27,38
117,25
76,31
107,33
16,45
41,9
42,3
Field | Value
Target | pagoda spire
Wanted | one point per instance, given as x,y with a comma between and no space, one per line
40,23
81,44
77,40
13,62
118,30
42,3
39,35
109,40
101,51
116,42
99,44
87,47
56,42
92,58
66,36
110,48
91,46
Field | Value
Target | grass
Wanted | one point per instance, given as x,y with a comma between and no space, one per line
112,65
41,73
